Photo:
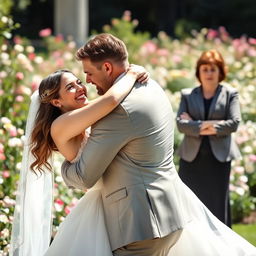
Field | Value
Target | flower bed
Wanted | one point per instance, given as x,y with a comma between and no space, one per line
170,61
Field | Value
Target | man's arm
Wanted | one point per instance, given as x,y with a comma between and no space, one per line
108,136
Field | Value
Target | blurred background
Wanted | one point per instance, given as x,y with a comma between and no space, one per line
175,17
167,37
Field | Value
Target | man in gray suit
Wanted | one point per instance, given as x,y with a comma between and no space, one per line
132,150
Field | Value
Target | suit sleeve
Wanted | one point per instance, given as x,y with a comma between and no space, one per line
188,127
233,116
108,136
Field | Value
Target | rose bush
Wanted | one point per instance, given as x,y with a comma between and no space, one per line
22,69
170,61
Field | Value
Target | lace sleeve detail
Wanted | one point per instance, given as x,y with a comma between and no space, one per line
99,183
83,143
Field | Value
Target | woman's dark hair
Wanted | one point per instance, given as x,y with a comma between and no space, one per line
42,143
212,57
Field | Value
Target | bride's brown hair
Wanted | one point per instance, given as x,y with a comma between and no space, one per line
42,144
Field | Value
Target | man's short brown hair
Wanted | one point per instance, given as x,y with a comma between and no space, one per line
103,47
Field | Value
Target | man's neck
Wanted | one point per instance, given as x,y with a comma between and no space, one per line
119,70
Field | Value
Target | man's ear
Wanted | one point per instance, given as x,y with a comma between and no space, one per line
55,103
108,67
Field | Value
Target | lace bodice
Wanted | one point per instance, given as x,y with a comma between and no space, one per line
83,143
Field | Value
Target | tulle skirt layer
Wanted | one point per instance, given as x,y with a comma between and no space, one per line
84,232
205,235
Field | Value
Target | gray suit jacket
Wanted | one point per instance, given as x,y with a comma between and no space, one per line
132,150
224,106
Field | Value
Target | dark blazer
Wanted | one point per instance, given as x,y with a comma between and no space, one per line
224,106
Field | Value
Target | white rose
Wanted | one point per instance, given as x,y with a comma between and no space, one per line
18,48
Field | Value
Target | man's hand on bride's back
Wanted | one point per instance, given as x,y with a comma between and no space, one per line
141,72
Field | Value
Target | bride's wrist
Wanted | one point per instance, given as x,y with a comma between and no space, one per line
133,74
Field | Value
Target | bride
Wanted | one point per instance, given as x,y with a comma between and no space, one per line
48,130
83,232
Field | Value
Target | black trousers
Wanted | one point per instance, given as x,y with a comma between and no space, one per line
209,180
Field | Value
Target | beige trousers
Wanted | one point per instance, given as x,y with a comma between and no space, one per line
152,247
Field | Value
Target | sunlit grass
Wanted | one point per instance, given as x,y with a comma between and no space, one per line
246,231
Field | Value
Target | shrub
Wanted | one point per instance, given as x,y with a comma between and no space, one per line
170,61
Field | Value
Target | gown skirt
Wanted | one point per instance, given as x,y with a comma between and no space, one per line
83,232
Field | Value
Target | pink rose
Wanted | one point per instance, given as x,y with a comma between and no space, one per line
1,148
45,32
252,41
127,16
59,38
2,157
56,54
19,76
34,86
19,98
252,158
60,63
150,46
59,202
162,52
17,40
6,174
31,55
212,34
67,210
176,59
13,131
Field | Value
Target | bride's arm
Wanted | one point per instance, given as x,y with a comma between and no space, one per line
73,123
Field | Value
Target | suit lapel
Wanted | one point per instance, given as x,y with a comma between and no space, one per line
215,101
199,101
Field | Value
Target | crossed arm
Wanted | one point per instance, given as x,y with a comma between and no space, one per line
229,123
221,127
206,127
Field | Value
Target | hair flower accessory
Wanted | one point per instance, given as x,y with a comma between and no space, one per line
45,94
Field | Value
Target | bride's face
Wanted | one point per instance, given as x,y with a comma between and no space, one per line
73,93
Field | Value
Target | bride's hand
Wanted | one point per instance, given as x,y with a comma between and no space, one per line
140,72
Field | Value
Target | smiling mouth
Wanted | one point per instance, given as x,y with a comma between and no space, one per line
81,97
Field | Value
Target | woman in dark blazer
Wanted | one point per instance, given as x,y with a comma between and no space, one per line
208,115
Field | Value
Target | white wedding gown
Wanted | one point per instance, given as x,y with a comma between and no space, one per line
83,232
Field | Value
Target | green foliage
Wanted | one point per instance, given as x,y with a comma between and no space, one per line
23,4
170,61
5,7
14,97
183,28
241,205
124,29
21,70
6,27
179,83
246,231
6,22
